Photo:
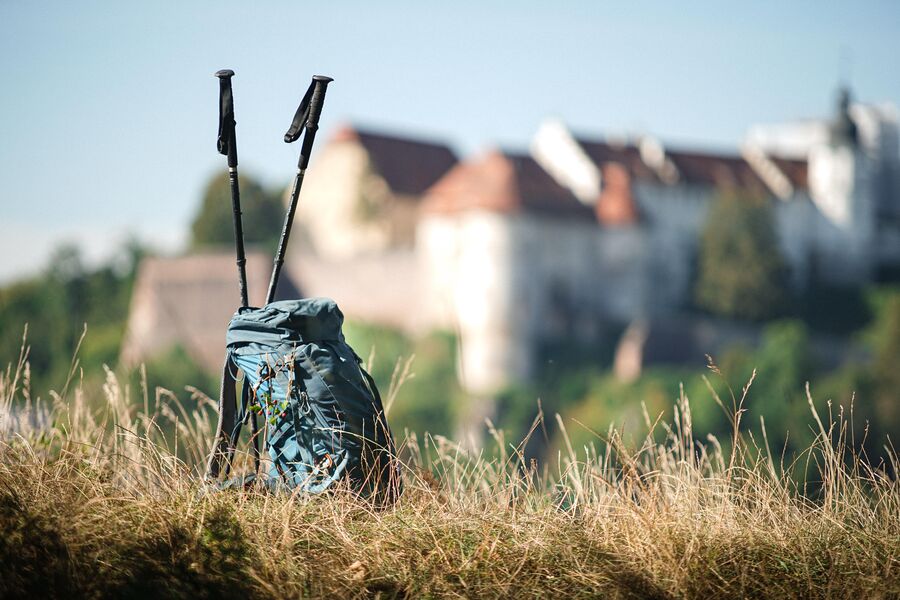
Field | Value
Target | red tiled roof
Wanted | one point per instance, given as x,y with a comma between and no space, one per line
408,166
701,168
626,155
504,182
794,170
716,170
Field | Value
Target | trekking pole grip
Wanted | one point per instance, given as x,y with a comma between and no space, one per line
306,117
318,99
320,85
227,143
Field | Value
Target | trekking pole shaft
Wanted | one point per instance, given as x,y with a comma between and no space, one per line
238,234
317,100
232,150
228,146
285,234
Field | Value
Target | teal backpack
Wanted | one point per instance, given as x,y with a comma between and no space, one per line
324,423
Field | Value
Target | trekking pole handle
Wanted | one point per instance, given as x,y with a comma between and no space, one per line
318,99
320,84
227,142
306,117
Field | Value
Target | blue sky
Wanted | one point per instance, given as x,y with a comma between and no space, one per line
108,109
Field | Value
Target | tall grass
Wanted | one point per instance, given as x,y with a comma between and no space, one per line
105,504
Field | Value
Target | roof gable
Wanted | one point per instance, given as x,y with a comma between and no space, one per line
504,182
408,166
716,170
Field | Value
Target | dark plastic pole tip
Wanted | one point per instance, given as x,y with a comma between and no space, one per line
324,78
224,73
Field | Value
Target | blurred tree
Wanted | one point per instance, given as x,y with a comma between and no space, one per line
174,370
742,273
884,337
426,402
56,305
869,388
263,213
784,364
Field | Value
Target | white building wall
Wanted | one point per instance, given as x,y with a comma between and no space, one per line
676,215
467,287
339,188
622,280
673,217
842,187
877,128
505,283
849,188
797,223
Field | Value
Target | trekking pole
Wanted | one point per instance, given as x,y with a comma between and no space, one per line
227,144
306,117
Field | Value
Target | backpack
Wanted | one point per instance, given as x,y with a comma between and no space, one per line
323,417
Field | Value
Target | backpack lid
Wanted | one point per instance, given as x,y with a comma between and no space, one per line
283,324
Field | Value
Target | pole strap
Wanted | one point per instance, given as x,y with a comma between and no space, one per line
300,117
226,116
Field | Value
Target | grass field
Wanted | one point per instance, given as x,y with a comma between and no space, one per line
97,503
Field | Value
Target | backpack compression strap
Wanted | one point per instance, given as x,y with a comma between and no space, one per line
223,443
228,430
244,414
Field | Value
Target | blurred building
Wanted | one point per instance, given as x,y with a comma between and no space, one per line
509,257
852,219
187,301
357,219
362,195
512,249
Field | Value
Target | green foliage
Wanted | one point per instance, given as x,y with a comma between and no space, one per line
567,372
70,300
833,309
579,386
873,384
610,402
175,370
262,211
741,271
57,304
784,363
429,400
885,340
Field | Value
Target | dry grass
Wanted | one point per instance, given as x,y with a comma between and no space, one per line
98,504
